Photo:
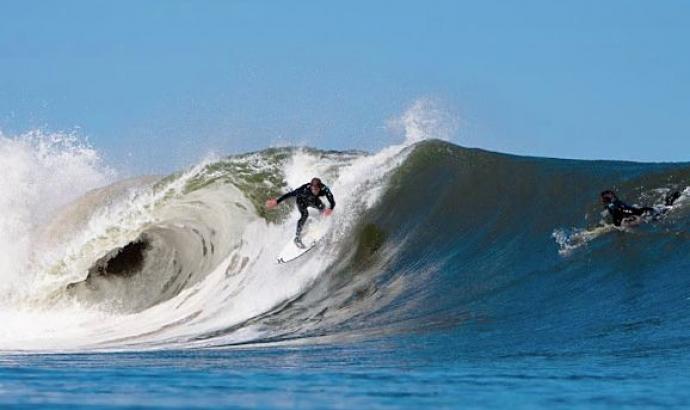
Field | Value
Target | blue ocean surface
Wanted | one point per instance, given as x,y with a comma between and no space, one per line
449,278
383,374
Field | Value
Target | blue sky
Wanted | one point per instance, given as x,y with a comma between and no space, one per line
156,84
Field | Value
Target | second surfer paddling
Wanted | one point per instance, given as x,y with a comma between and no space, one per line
623,213
306,196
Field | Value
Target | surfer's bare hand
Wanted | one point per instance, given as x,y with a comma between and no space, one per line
271,203
327,212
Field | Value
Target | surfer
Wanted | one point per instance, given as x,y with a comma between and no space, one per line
621,212
306,196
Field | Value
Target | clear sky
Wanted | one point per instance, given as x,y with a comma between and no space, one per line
155,84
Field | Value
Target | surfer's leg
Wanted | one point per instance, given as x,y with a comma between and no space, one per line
302,207
654,213
646,211
303,218
668,204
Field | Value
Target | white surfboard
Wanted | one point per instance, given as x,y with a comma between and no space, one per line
313,231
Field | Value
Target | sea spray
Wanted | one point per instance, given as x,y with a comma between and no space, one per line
41,172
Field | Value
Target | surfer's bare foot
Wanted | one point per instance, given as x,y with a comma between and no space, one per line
298,242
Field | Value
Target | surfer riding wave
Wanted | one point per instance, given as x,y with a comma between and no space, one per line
306,196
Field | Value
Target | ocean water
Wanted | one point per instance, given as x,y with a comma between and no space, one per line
449,277
384,374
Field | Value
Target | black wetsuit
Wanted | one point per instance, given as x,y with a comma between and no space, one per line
620,211
304,198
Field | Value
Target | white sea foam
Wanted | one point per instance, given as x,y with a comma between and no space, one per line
41,172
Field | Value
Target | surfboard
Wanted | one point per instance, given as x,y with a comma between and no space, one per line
313,231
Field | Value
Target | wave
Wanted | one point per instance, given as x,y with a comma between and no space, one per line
426,237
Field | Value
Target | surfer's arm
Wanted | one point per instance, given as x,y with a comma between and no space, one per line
286,196
292,193
330,198
616,214
616,217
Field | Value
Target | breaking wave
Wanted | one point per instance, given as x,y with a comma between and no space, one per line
427,236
